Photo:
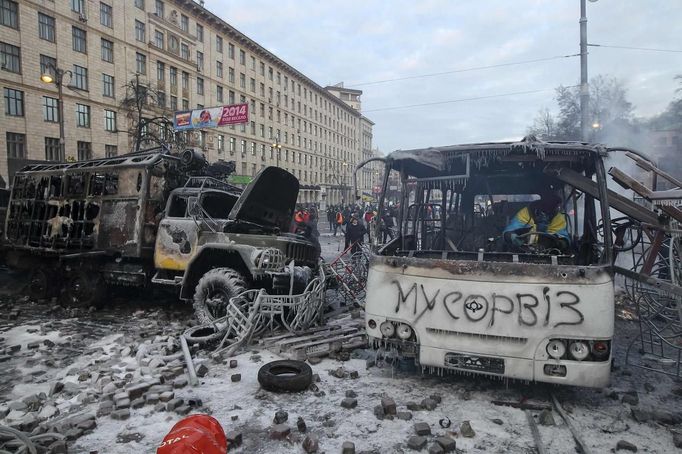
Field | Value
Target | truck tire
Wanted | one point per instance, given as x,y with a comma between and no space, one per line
285,376
83,289
213,293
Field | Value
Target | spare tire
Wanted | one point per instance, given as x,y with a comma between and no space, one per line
285,376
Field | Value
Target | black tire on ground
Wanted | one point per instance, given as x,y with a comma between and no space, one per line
285,376
201,334
213,293
83,289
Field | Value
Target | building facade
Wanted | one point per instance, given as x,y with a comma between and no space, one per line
190,58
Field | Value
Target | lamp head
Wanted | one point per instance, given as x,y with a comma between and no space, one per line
47,78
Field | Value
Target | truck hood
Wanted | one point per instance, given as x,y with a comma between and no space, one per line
269,200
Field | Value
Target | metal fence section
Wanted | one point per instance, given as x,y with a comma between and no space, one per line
349,270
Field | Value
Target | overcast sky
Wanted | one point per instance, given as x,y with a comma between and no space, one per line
366,41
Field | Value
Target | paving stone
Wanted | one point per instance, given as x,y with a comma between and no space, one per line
202,370
234,439
436,398
311,444
137,403
166,396
546,418
180,382
414,406
448,444
58,447
348,447
174,403
313,360
416,443
301,425
349,403
279,431
236,378
105,408
151,398
429,404
379,412
122,403
436,449
55,388
677,440
404,415
631,398
281,416
466,430
127,437
233,363
422,428
497,421
352,394
183,410
388,406
354,374
339,372
120,414
625,446
137,390
195,402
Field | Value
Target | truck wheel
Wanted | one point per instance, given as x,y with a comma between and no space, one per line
39,286
83,289
214,291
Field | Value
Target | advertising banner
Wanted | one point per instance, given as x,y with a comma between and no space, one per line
211,117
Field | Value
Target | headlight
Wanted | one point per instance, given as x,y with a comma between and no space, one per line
387,329
556,348
579,350
600,349
404,331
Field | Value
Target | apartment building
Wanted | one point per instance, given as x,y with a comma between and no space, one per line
190,58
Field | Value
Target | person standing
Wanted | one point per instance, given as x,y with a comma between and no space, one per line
355,234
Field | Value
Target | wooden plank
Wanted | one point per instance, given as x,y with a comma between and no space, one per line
628,182
646,165
523,405
535,432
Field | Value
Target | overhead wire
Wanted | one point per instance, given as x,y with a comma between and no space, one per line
475,98
650,49
462,70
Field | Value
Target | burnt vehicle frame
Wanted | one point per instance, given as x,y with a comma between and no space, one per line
464,303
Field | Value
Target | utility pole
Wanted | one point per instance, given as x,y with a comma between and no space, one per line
584,87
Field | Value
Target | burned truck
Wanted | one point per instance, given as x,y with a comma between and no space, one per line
479,280
153,218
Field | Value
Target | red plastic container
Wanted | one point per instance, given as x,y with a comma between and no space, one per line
196,434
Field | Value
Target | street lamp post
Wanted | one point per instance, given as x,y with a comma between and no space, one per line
278,149
58,80
584,85
345,178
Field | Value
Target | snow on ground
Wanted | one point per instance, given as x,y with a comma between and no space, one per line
86,343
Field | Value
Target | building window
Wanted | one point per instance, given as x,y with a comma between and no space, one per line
184,51
173,44
78,6
219,44
53,151
84,151
50,109
219,69
10,58
159,8
139,4
253,148
80,77
106,16
200,86
243,147
185,80
242,80
141,63
173,76
108,86
184,23
9,14
230,51
231,97
242,57
174,103
14,102
185,104
253,128
161,99
107,50
46,27
219,93
262,69
158,39
160,71
47,65
221,142
79,38
139,30
233,144
230,75
110,120
200,60
16,145
83,115
200,33
110,151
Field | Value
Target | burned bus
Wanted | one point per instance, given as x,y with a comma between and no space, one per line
501,264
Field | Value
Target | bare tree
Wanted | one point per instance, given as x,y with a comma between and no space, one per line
544,125
149,122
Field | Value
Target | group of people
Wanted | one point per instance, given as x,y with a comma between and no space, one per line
356,222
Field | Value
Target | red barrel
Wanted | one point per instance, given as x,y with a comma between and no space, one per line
196,434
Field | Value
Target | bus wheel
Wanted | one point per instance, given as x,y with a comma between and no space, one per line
83,289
